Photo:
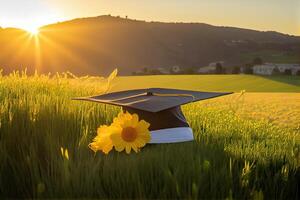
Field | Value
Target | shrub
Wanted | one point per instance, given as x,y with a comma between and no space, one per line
236,70
276,71
288,72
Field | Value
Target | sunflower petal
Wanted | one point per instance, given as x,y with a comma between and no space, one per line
119,148
142,126
93,146
107,148
135,120
134,147
128,149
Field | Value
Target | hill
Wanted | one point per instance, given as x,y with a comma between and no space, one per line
96,45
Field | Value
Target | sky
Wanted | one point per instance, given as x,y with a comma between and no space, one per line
276,15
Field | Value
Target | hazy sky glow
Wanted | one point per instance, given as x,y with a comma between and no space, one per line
277,15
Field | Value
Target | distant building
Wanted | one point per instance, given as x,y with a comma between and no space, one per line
207,70
163,70
268,68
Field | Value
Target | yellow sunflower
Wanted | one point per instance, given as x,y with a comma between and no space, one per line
102,141
127,132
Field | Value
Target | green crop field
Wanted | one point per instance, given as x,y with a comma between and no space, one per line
247,144
234,83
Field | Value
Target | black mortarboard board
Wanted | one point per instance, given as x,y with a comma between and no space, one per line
158,106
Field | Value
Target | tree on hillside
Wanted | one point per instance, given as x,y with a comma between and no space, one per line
236,70
276,71
298,73
219,68
189,71
257,61
145,70
248,69
288,72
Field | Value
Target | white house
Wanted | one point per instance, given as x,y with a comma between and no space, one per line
264,69
207,70
163,70
268,68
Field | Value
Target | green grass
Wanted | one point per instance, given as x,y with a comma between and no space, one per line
234,83
231,157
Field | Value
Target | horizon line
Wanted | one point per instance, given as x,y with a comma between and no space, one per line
151,21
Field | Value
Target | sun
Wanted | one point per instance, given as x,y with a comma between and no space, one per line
32,30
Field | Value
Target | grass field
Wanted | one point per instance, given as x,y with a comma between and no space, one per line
280,109
247,145
234,83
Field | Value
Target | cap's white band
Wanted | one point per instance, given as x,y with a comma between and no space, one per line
171,135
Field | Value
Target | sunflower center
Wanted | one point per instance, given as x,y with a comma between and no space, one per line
129,134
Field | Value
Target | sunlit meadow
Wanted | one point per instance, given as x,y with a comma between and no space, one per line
247,145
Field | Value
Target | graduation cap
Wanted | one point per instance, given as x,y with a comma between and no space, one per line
160,107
